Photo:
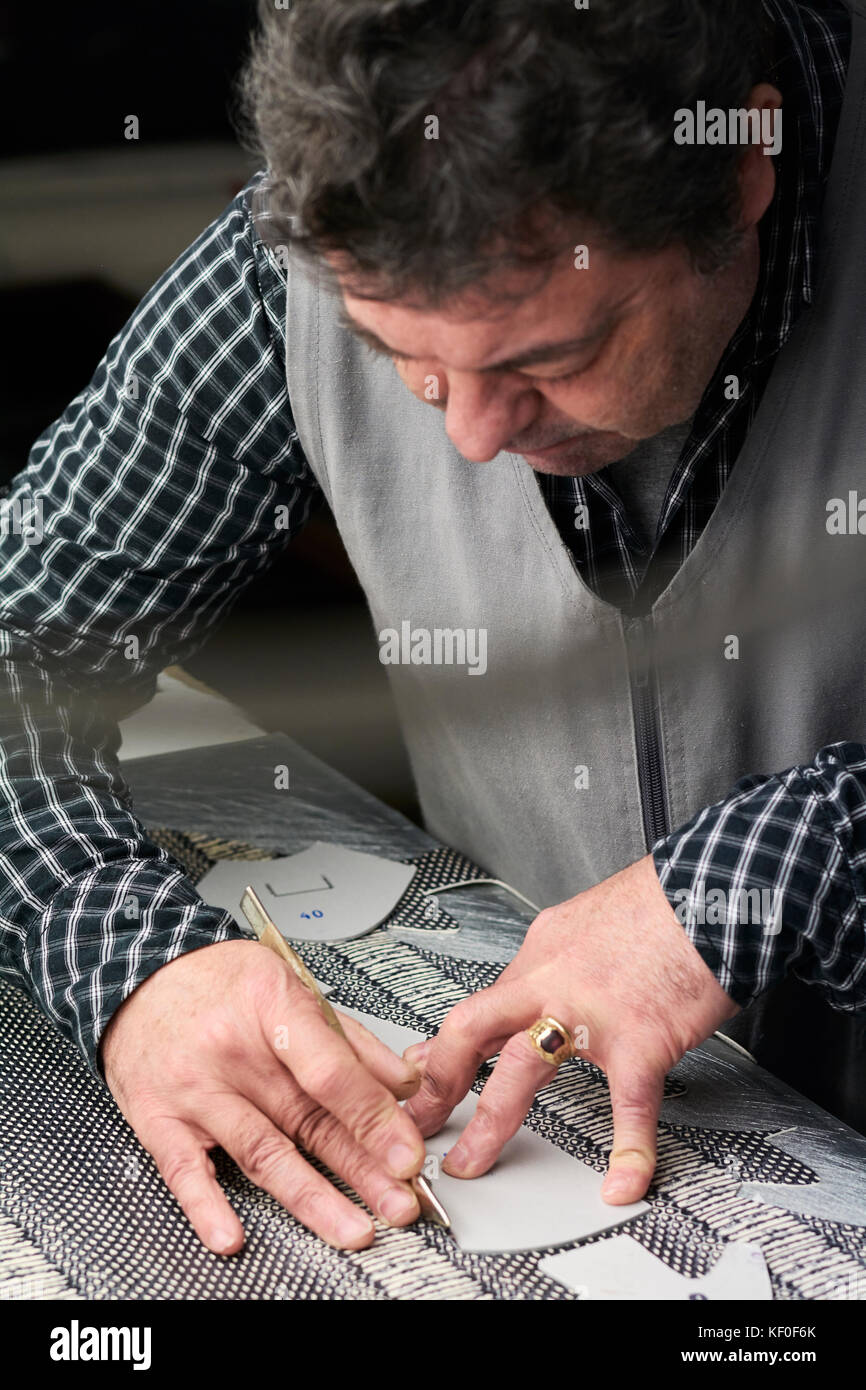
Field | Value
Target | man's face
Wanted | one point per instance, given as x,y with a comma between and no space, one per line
576,373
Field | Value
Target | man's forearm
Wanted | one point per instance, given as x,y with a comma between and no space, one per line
89,907
163,489
773,878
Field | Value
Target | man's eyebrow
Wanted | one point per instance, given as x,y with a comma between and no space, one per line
546,352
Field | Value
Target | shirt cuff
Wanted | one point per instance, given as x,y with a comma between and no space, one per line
767,879
96,944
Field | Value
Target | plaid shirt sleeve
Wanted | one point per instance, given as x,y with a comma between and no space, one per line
167,484
772,879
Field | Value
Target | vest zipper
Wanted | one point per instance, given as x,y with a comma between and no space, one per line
651,777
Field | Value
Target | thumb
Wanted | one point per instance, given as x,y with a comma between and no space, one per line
636,1098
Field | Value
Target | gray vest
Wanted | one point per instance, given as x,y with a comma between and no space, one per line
666,713
442,543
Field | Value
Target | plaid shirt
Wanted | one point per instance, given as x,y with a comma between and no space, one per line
163,490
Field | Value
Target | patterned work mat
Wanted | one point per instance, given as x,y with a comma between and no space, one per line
90,1205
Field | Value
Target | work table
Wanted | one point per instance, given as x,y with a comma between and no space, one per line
720,1111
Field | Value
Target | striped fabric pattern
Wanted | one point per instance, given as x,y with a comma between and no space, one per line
86,1197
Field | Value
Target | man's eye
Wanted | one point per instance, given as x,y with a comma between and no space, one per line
558,380
569,376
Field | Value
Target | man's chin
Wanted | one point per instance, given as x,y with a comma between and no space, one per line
584,454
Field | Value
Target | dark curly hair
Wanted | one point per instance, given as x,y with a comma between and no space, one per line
550,119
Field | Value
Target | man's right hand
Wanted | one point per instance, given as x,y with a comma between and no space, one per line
224,1046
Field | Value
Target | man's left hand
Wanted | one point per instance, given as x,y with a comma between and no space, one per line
616,967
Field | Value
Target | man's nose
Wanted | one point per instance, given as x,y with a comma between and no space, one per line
482,413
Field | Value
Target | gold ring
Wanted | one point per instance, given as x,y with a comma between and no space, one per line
552,1041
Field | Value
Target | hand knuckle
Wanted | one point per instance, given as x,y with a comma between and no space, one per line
369,1123
260,1153
308,1201
517,1053
325,1076
178,1168
218,1035
267,984
316,1129
464,1014
486,1117
634,1111
435,1085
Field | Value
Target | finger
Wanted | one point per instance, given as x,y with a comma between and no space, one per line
502,1107
322,1134
474,1030
325,1066
271,1161
636,1098
400,1076
189,1174
416,1054
319,1132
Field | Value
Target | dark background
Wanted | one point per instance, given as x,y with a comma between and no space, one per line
89,221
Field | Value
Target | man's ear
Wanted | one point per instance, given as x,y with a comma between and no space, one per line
757,171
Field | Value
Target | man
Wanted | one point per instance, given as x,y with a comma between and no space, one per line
637,323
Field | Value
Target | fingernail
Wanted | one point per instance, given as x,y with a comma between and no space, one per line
402,1160
221,1241
351,1229
397,1205
404,1089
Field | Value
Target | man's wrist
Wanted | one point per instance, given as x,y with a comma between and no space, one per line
155,966
724,875
96,978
